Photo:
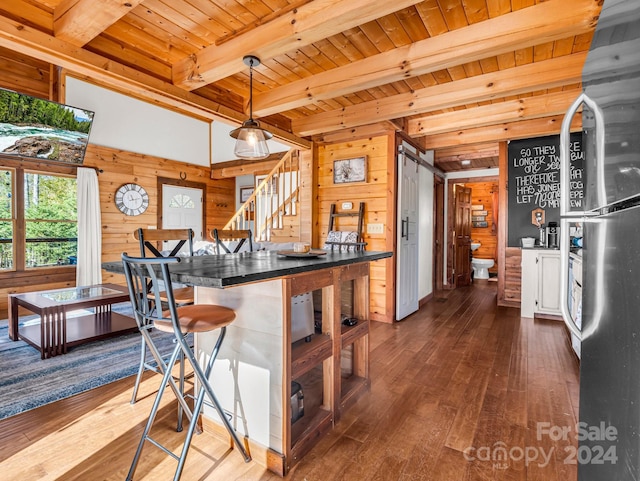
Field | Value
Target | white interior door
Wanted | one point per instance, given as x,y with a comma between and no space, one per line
182,209
408,262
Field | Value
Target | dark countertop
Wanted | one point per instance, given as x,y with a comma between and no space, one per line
233,269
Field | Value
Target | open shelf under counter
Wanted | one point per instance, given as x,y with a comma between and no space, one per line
307,355
349,334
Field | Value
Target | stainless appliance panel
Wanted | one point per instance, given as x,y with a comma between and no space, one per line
611,78
610,364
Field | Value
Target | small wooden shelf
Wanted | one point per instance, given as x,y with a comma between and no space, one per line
306,355
83,329
349,334
307,431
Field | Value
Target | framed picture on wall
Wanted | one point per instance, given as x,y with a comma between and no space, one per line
245,193
350,170
271,187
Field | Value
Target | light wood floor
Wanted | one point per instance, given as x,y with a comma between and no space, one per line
460,376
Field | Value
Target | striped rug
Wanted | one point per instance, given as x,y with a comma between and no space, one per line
27,382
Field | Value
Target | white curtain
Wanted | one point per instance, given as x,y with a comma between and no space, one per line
88,270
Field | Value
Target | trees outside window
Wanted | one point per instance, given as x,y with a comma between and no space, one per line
43,231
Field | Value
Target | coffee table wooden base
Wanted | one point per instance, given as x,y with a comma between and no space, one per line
56,332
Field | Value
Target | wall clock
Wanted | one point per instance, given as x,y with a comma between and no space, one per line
132,199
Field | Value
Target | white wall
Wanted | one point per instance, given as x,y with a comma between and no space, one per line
223,143
125,123
425,225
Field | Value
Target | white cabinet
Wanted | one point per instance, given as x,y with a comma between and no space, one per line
540,282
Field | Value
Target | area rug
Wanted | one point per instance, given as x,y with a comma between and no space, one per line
27,382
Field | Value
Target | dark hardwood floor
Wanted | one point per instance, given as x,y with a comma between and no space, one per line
461,390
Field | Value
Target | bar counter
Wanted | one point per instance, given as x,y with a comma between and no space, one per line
256,366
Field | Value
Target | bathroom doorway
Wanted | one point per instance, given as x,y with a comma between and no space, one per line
484,226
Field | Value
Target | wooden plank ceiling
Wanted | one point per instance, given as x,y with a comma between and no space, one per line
453,74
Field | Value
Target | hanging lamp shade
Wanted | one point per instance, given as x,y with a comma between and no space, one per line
251,139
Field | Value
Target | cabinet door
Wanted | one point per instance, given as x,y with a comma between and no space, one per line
528,283
549,283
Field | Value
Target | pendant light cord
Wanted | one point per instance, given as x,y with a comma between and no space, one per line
251,90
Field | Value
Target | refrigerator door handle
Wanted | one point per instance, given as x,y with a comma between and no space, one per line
564,277
565,158
566,215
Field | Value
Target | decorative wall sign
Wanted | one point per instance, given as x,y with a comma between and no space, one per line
476,218
534,183
350,170
477,207
480,212
480,224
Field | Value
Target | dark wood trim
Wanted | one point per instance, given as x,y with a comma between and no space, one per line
424,300
439,226
19,224
39,165
183,183
503,207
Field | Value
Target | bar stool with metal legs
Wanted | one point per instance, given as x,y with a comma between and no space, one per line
183,239
139,271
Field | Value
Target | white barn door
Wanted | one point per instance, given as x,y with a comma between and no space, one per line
407,242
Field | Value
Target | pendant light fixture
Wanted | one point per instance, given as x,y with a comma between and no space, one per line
251,139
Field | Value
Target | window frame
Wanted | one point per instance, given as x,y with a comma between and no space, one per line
21,275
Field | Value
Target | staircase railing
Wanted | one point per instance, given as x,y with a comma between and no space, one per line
274,197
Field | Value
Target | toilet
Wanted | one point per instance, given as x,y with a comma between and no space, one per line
481,267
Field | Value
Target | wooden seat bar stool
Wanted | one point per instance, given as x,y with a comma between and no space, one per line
181,237
179,320
148,239
220,236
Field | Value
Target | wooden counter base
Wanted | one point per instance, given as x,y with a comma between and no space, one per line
257,362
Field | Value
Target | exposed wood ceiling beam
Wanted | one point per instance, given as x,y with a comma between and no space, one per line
556,72
512,110
467,152
523,28
371,130
29,41
79,21
501,132
296,29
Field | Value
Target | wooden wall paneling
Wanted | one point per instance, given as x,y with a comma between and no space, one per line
306,195
374,193
508,263
390,230
24,74
119,167
482,194
512,291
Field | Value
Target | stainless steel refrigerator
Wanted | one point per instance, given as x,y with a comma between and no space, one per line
609,429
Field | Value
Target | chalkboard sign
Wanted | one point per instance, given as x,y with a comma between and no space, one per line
534,182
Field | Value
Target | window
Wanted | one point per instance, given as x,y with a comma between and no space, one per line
38,220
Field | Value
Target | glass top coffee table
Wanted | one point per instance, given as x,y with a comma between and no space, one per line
56,331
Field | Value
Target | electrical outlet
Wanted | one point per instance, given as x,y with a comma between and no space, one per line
375,228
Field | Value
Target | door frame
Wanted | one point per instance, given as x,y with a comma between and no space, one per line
438,233
183,183
451,284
